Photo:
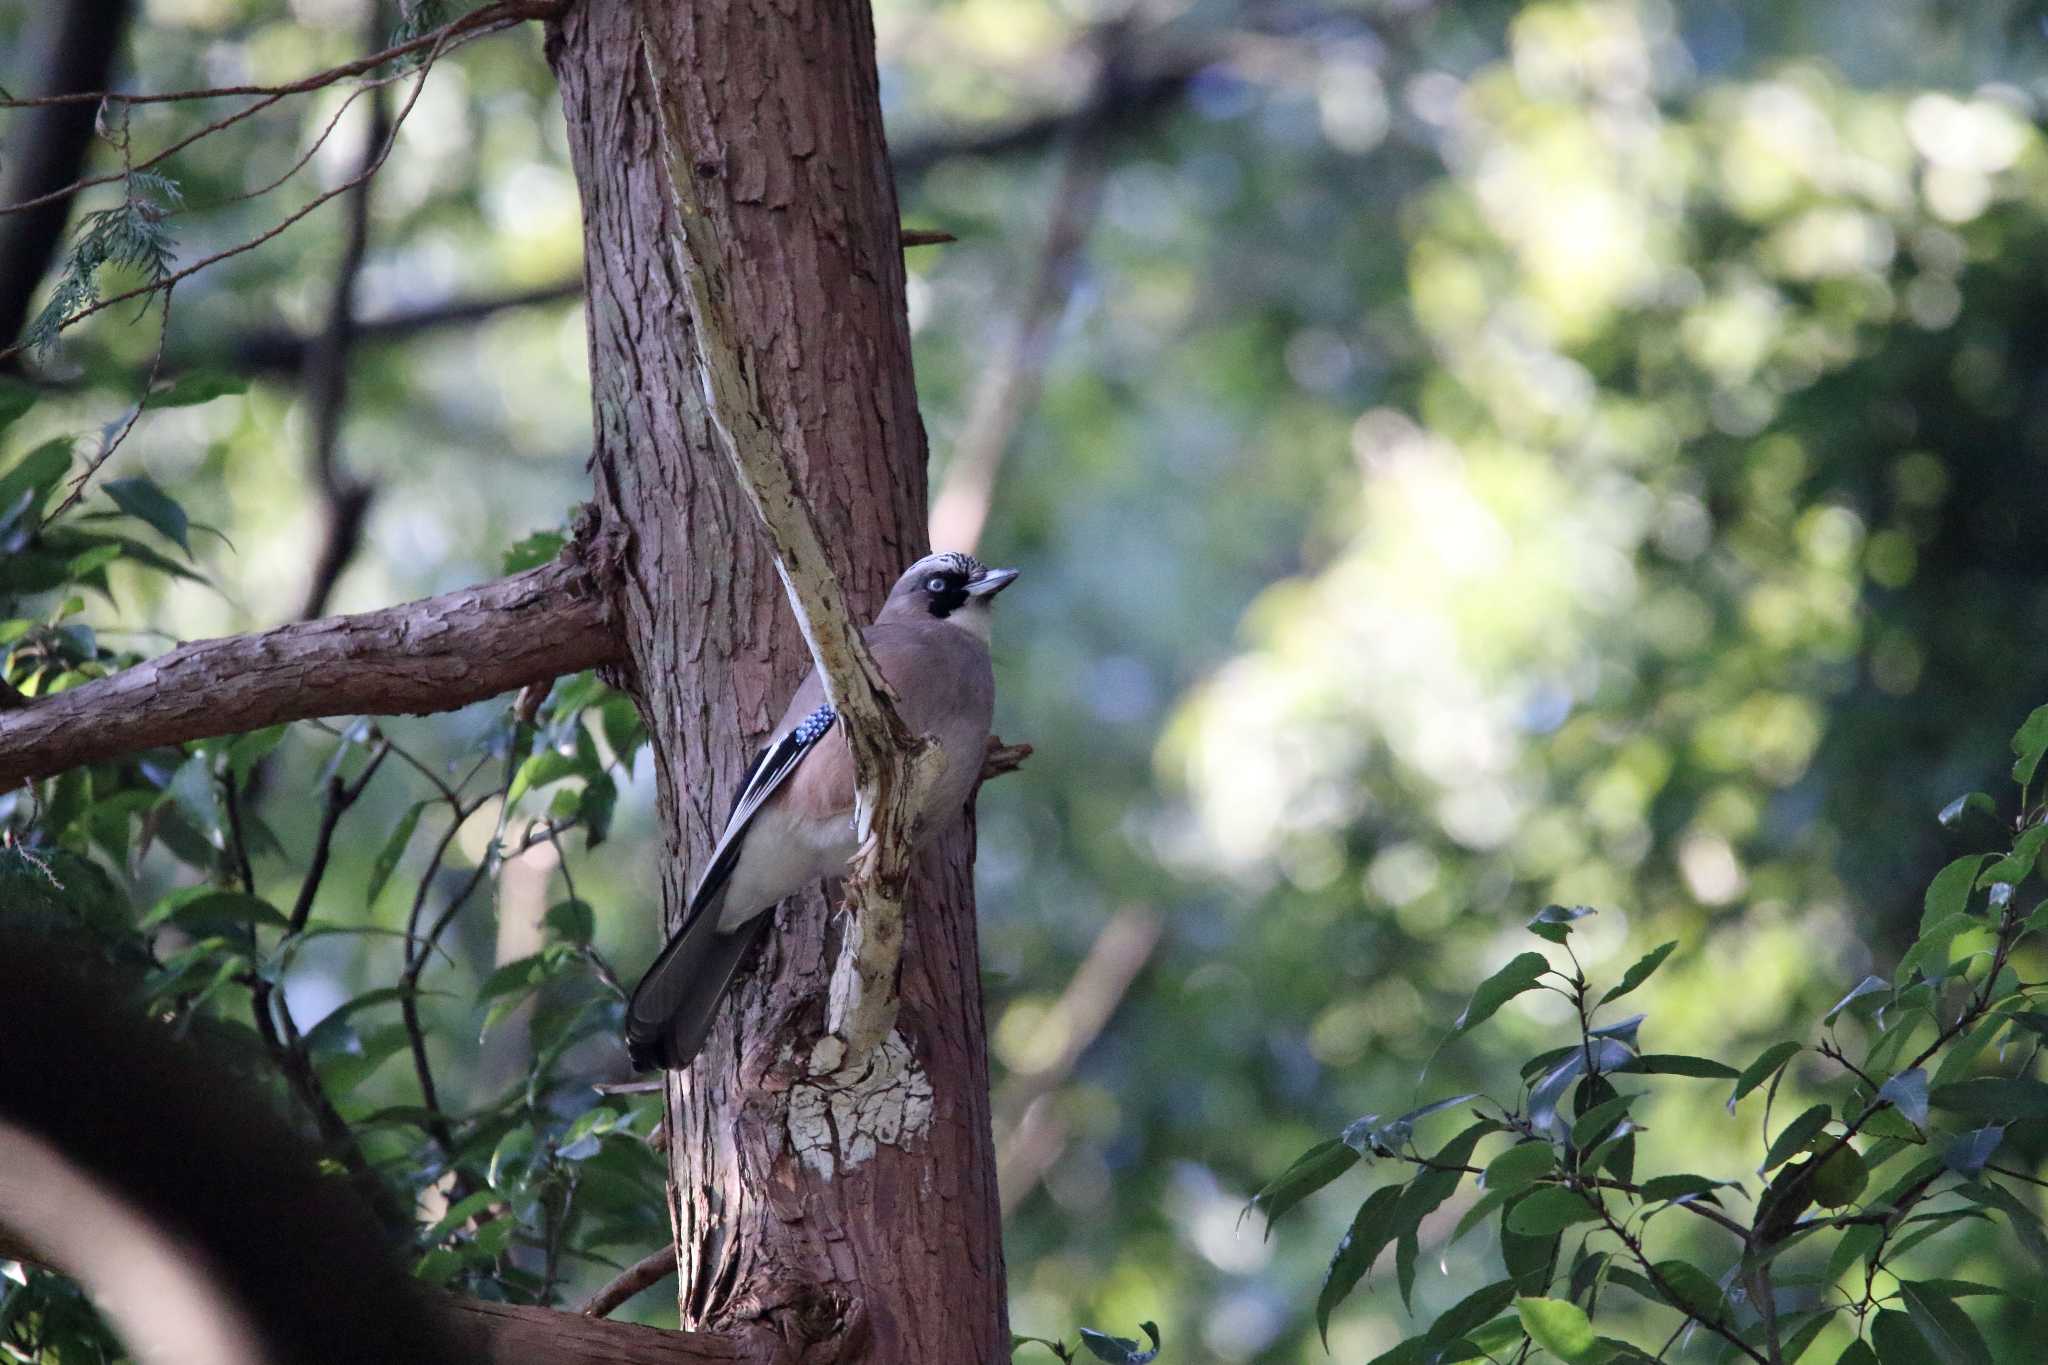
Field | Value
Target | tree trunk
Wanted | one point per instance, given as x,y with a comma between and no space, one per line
855,1218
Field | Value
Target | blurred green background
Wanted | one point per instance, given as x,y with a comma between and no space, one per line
1463,456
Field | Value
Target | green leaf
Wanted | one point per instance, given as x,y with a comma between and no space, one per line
534,551
1554,922
1993,1097
518,975
1678,1064
600,799
1973,806
1697,1293
1559,1327
549,765
142,499
2015,866
512,1159
394,849
1967,1155
201,386
246,751
1680,1187
1949,893
1908,1090
207,910
1640,972
1947,1329
1898,1341
1792,1139
35,474
1470,1313
1929,953
1504,985
1857,1242
16,398
1312,1170
195,792
1593,1125
1762,1069
2028,745
1425,1194
1869,985
2026,1224
1122,1350
1801,1338
1841,1178
1550,1209
1370,1232
1519,1167
571,921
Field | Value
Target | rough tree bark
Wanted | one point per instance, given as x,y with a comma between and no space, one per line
853,1219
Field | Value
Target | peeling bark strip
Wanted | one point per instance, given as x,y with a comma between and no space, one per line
896,1258
892,768
432,655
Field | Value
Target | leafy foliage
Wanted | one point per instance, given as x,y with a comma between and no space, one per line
1830,1243
527,1182
132,235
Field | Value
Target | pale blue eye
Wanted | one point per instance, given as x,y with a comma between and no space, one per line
935,585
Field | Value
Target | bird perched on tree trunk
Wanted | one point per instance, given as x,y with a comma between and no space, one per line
793,821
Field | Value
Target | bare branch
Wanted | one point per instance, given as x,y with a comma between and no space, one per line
281,351
432,655
1037,1136
648,1270
74,46
492,15
443,36
344,500
1010,384
892,766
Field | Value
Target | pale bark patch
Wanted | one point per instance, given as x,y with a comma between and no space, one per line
837,1123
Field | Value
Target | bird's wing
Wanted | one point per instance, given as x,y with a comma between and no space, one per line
771,769
671,1009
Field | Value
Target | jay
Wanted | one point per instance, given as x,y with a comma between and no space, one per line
793,821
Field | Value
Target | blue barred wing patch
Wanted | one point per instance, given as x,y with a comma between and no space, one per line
770,770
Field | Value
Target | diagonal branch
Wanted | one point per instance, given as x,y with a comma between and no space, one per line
432,655
892,767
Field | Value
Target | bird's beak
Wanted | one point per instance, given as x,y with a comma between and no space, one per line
991,583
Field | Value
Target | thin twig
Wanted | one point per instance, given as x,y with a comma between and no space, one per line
503,12
289,221
93,466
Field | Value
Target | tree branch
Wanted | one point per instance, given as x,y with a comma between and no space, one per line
432,655
893,768
488,1333
1009,386
648,1270
283,352
344,499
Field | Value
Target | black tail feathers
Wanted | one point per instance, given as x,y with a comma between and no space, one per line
673,1006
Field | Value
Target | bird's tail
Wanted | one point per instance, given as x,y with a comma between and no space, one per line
672,1008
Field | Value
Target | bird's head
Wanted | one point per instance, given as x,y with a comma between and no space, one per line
954,588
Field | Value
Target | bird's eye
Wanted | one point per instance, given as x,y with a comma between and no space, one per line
935,584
